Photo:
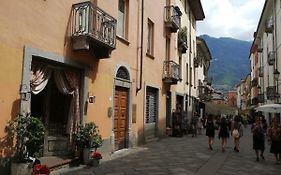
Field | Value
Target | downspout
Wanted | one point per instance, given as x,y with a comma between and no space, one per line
189,60
275,44
141,49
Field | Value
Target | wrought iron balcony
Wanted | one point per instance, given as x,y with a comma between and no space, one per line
271,92
171,72
93,29
172,18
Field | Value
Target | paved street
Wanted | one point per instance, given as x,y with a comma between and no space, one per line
184,156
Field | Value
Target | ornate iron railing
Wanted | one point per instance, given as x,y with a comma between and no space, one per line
171,72
90,20
172,17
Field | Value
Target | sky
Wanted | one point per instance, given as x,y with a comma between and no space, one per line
230,18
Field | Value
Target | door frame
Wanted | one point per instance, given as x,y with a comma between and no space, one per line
149,125
124,83
31,54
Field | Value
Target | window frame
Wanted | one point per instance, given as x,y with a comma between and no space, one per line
124,33
150,38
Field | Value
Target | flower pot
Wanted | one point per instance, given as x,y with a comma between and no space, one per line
20,169
95,162
86,156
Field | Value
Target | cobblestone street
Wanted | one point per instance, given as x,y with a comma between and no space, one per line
184,156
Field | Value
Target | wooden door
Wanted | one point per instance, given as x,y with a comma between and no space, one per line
120,117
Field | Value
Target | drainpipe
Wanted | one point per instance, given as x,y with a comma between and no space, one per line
141,49
190,73
275,44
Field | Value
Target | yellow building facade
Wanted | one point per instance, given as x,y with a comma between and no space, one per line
108,62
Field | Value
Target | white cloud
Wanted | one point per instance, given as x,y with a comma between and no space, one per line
230,18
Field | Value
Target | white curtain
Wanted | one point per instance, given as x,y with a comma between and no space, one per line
39,78
67,82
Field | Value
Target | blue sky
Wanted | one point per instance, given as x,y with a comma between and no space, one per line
230,18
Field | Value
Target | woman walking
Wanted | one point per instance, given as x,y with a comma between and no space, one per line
223,133
210,131
258,138
274,139
236,132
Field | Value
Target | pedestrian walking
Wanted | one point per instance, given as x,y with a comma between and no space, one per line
274,139
176,117
258,138
200,125
210,131
236,132
223,133
194,121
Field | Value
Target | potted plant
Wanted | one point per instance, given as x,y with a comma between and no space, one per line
87,139
29,134
95,158
182,40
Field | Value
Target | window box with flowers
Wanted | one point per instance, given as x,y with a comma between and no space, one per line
87,139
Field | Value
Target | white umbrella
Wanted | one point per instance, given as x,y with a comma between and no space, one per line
272,108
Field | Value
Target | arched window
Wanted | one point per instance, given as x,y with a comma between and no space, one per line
123,73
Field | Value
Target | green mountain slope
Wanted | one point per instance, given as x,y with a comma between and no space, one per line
230,61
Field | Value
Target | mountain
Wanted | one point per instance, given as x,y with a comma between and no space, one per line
230,60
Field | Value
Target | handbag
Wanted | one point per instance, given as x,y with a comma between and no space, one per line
235,133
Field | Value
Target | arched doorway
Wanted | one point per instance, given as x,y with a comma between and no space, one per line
121,108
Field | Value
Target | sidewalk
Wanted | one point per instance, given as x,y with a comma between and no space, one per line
182,156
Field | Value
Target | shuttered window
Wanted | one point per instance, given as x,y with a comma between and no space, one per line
151,105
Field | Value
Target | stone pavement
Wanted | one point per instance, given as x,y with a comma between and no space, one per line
183,156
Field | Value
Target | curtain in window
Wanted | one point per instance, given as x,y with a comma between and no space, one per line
39,78
67,82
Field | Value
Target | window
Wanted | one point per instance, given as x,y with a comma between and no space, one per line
167,54
194,78
190,75
151,111
180,67
122,19
150,36
186,71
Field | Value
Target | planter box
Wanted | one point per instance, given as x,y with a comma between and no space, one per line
21,169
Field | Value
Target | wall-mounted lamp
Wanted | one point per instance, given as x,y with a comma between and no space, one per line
24,92
91,98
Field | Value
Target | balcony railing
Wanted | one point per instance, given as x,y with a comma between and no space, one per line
271,92
271,58
91,27
171,72
172,18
